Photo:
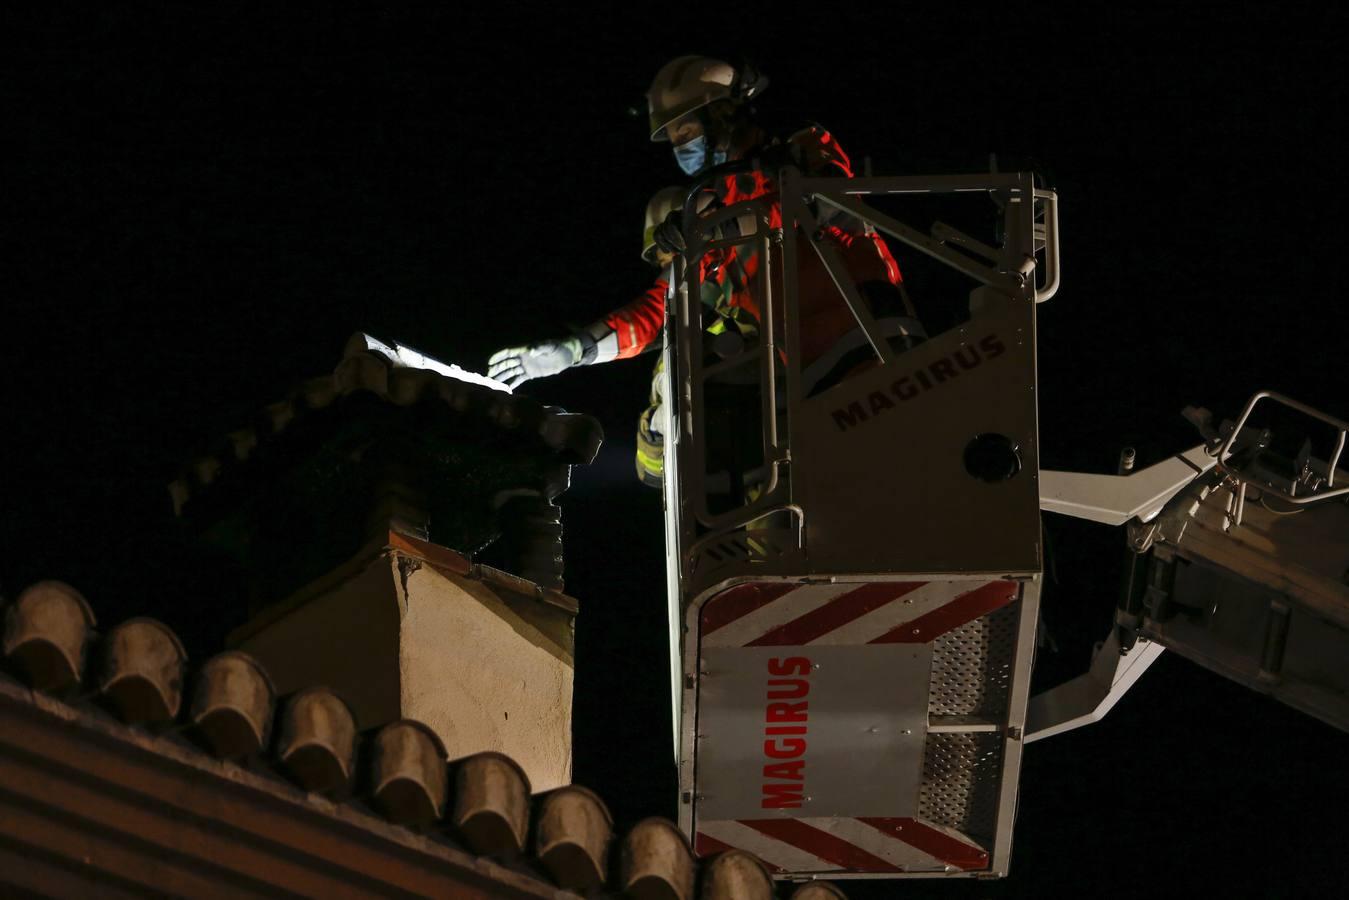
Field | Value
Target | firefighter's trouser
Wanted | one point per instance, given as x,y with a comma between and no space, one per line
650,440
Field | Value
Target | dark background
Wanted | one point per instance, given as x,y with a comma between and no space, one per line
201,207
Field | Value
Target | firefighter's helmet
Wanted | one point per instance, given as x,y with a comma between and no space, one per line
661,204
688,83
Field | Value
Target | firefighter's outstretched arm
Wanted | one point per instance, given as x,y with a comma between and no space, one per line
628,331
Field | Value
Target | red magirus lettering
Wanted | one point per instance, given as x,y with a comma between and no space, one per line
992,347
784,748
787,688
792,665
787,712
784,769
788,771
782,795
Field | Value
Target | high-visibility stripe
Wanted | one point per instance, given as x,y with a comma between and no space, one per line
774,853
889,847
791,605
651,463
705,845
931,841
821,844
881,620
738,602
871,844
838,612
963,609
773,614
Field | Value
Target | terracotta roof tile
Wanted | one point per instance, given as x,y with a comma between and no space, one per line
572,837
232,705
482,802
46,631
316,741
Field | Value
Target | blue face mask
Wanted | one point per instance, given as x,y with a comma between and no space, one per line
692,156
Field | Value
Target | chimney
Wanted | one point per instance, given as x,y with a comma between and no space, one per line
359,516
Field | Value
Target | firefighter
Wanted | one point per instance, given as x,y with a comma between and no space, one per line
701,106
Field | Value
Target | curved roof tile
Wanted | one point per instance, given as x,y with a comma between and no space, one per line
310,739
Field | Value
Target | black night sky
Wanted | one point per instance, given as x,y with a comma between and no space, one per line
200,207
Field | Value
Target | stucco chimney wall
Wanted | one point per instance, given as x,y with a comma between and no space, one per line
413,631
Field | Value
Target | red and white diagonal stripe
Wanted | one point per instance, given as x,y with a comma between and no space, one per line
869,845
775,614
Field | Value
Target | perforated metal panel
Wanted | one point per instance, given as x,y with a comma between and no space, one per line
961,777
972,666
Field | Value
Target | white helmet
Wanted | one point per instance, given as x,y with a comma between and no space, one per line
661,204
687,83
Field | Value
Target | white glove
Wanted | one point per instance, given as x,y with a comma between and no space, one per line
516,365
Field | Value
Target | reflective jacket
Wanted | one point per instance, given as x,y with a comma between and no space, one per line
728,273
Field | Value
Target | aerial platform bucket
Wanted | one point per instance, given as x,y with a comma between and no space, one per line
852,636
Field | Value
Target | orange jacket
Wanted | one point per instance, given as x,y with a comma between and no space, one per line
729,273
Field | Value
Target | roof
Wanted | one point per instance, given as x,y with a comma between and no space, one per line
424,448
123,768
